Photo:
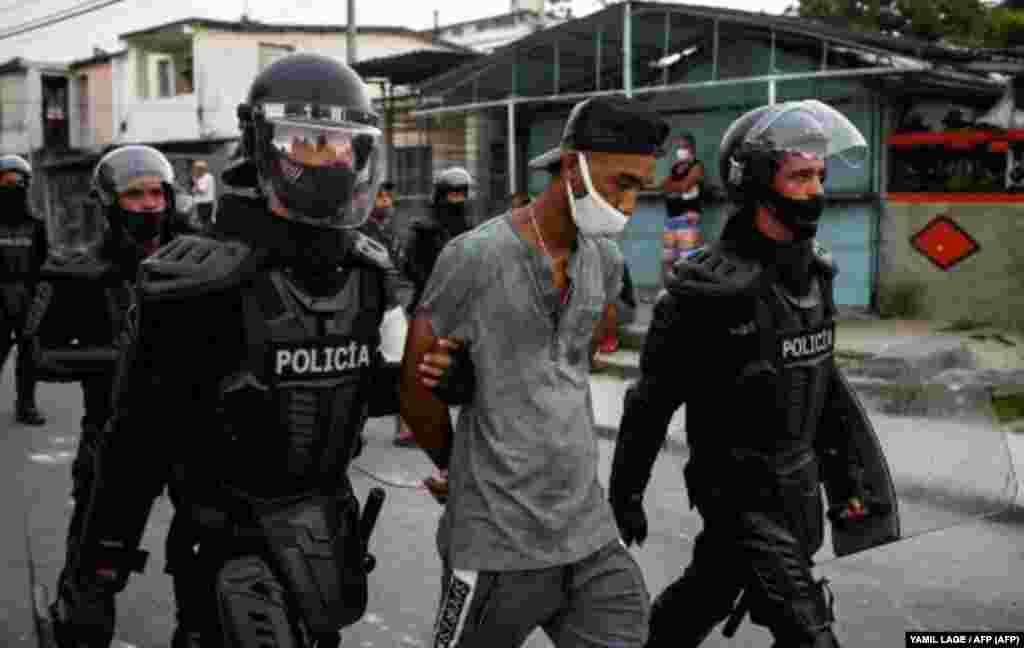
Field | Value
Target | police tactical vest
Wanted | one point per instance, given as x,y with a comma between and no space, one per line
297,403
776,359
796,336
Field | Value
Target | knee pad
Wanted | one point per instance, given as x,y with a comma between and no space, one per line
252,607
806,621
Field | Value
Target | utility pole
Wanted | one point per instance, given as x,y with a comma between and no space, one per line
350,48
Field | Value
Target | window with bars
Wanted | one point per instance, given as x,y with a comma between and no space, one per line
165,78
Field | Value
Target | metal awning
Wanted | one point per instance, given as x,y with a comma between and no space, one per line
413,67
588,56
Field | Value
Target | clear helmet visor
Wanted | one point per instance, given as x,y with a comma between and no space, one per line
324,174
809,128
123,169
76,229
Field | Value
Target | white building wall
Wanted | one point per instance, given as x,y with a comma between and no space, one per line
34,109
487,40
119,75
13,134
149,120
79,137
224,65
484,36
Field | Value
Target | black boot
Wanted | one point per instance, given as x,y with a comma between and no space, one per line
184,638
26,413
83,615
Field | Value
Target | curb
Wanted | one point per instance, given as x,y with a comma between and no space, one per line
976,506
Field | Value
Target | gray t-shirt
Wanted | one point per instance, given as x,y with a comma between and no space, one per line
524,492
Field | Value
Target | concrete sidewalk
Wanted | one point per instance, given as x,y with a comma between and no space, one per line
878,356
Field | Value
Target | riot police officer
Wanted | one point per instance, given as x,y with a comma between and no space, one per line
255,367
22,251
81,303
428,235
759,304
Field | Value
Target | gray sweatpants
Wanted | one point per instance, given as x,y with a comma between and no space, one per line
598,602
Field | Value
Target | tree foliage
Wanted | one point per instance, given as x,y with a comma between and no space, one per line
970,23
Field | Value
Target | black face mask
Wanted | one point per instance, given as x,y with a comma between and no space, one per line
382,214
141,226
317,191
453,217
799,216
13,203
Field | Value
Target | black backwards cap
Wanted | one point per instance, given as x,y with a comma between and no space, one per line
609,124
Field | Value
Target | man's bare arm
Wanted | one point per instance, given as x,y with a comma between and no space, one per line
425,414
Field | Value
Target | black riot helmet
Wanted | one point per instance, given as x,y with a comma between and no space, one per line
452,179
452,215
17,164
14,192
754,146
310,130
123,170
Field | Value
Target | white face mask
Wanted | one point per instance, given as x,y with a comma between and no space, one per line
592,213
683,154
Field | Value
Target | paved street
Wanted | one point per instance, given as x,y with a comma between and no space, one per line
967,578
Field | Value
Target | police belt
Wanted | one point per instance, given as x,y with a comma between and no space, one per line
225,524
236,517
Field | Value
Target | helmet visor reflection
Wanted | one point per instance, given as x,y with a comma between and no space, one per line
811,128
326,174
323,147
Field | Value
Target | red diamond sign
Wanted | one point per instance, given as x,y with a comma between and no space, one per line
943,242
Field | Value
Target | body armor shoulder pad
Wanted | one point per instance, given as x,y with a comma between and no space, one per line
714,270
194,265
370,252
824,262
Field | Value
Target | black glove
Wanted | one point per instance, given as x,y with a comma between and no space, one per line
457,385
84,613
631,519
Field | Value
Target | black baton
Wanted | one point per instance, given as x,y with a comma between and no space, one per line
732,624
371,511
374,503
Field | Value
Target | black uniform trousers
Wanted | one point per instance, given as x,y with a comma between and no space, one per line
765,548
24,378
98,401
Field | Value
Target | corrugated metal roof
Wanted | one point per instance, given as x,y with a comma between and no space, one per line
259,27
20,64
412,67
97,58
496,66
